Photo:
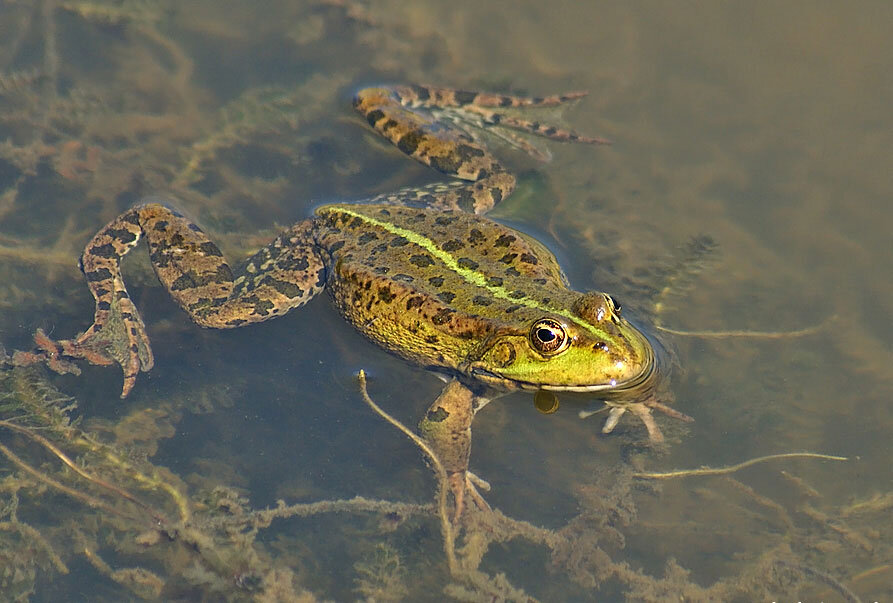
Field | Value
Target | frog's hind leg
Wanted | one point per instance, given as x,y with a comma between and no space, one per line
441,146
446,427
483,105
439,96
436,126
495,118
281,276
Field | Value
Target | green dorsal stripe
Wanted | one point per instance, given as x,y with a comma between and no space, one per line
473,277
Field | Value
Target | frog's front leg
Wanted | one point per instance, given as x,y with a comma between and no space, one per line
447,429
283,275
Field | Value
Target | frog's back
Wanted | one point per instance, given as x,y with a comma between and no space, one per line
435,282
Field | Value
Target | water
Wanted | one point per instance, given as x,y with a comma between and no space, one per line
763,126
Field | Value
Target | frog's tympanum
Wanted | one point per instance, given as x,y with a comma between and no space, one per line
420,272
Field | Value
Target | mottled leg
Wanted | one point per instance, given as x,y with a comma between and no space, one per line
447,429
440,146
281,276
439,127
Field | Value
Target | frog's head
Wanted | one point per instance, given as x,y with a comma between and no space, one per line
587,348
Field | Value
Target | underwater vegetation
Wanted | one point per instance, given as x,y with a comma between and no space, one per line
71,495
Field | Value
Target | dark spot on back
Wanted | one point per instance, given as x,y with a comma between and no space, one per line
452,245
421,260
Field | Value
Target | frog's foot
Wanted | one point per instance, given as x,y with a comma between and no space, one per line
642,410
462,482
117,336
49,352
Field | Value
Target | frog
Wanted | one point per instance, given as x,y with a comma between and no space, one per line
421,272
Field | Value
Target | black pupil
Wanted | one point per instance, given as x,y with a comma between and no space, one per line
546,335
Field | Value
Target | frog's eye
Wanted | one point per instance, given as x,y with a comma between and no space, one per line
615,307
548,337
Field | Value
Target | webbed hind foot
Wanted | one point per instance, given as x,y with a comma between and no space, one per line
121,339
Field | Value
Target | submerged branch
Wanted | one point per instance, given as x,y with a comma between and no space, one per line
84,498
734,468
445,525
74,467
752,334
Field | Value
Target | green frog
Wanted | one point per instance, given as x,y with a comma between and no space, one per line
420,272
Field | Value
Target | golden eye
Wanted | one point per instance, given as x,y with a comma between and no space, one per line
548,337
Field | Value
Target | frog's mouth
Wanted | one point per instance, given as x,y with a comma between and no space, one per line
642,381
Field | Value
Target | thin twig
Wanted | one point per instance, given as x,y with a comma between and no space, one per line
811,572
262,518
445,525
734,468
74,467
84,498
752,334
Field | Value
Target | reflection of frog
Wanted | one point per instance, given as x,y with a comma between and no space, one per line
418,271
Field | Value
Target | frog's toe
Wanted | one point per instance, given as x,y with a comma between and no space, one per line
130,372
466,482
458,483
136,356
472,483
643,412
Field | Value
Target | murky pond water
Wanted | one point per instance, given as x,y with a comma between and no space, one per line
762,127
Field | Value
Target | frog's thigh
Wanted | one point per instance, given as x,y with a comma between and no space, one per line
283,275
